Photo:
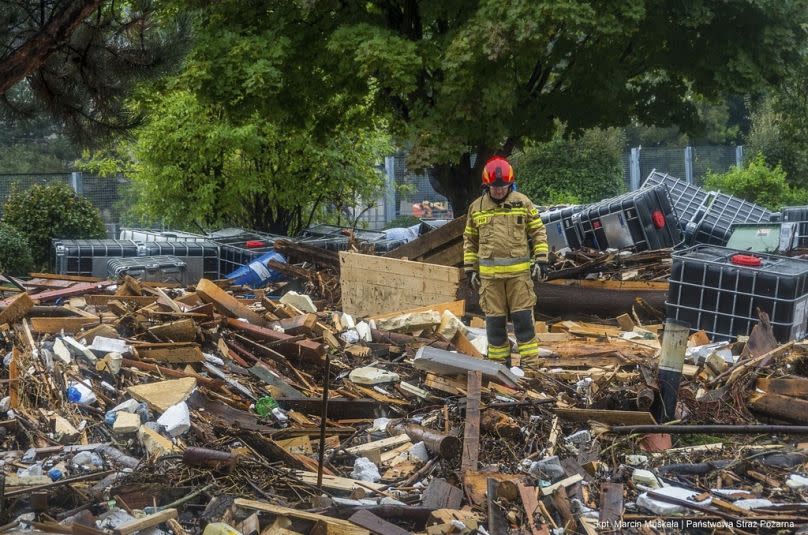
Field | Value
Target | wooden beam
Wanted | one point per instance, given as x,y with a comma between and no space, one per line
378,444
180,353
786,386
77,289
225,303
304,348
16,308
782,407
56,325
606,416
348,528
368,520
471,435
458,308
530,502
146,522
611,504
104,300
175,331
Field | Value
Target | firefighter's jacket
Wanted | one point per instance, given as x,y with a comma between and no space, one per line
497,239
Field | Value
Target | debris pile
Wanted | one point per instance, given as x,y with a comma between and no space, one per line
129,407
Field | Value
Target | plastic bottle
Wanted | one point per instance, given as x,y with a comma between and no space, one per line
264,405
256,274
87,459
80,394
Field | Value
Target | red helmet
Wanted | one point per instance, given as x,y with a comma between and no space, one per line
497,172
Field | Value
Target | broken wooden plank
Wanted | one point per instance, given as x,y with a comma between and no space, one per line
566,482
338,408
384,443
175,331
57,325
611,504
337,483
305,348
784,386
163,394
171,353
368,520
225,303
471,435
279,388
104,300
80,288
16,308
439,494
376,285
530,502
605,416
432,242
783,407
148,521
347,528
458,308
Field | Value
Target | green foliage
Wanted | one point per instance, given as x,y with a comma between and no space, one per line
778,133
15,253
43,212
756,182
576,170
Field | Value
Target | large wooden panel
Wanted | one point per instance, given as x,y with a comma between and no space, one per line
377,285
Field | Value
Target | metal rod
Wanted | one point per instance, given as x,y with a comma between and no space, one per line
323,417
723,429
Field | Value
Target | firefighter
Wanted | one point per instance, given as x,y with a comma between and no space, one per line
499,260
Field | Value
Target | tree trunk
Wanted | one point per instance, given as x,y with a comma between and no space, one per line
31,54
460,182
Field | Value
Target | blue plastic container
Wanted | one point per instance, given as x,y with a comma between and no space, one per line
256,274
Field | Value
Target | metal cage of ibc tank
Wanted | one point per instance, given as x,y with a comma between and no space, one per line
719,290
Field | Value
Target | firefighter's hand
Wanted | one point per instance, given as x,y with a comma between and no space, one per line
474,279
540,271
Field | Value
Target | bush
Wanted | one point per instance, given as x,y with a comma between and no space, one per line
15,253
570,171
51,211
756,182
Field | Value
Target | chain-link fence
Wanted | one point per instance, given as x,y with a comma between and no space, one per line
689,163
406,192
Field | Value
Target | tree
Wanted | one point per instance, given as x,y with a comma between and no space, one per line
191,163
583,169
756,182
463,80
76,60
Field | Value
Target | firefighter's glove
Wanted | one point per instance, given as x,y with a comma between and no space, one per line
540,271
474,279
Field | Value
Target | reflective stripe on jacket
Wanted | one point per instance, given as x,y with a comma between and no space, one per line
497,239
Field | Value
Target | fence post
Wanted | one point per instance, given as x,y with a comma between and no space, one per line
77,182
634,169
689,164
389,188
739,156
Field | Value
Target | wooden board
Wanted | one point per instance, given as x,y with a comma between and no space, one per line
181,353
225,303
378,444
368,520
606,416
102,300
377,285
56,325
471,434
434,242
786,386
458,308
441,495
781,407
163,394
347,528
611,504
337,483
16,308
145,522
